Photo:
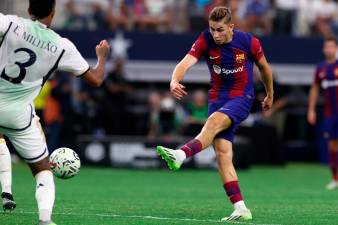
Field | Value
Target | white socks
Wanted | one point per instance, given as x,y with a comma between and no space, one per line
5,168
180,154
45,194
240,205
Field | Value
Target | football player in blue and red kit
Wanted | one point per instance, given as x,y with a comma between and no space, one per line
230,56
326,77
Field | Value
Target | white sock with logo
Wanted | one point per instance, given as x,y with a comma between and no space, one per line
45,194
5,167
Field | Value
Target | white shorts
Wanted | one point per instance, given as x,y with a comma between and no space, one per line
30,143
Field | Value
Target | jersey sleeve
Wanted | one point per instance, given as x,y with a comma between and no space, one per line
72,61
316,78
199,47
256,49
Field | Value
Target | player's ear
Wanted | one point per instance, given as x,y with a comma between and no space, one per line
52,13
231,26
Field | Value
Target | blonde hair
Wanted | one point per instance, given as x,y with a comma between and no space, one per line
219,13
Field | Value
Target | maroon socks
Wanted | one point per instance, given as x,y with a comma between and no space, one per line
333,163
233,191
191,148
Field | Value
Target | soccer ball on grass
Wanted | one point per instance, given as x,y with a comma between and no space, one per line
64,163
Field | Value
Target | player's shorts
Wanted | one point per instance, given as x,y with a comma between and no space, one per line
29,141
331,128
236,109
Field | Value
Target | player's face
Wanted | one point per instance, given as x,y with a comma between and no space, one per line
220,31
330,50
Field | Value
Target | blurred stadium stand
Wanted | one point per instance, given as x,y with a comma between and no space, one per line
150,49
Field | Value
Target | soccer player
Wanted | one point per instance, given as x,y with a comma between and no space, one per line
230,55
326,77
30,52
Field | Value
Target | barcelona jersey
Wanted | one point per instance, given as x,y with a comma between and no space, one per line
326,76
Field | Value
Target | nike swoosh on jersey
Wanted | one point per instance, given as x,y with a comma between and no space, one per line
214,57
224,109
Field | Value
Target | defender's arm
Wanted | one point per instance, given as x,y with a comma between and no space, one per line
95,76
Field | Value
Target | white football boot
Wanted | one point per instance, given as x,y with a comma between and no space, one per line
332,185
239,214
174,158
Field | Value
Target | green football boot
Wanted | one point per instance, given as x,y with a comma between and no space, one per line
170,156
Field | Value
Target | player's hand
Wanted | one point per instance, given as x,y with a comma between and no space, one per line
267,103
311,117
102,49
177,90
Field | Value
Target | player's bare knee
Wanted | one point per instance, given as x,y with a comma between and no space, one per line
215,124
211,125
39,166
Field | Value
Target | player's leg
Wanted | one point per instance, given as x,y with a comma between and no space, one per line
216,122
8,202
333,163
45,189
223,150
30,143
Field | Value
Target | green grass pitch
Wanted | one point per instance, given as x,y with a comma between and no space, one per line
291,195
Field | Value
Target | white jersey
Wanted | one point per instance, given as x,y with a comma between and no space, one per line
29,54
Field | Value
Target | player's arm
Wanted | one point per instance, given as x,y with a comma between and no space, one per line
313,97
177,89
266,74
95,76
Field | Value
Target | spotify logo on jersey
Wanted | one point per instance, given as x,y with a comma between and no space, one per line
219,70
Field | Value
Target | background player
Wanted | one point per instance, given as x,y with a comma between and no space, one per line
30,52
326,77
230,55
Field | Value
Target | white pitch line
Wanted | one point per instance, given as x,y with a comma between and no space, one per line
149,217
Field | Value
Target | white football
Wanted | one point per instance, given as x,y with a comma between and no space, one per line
64,163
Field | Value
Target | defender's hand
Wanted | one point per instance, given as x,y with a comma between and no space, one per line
177,90
311,117
267,103
102,49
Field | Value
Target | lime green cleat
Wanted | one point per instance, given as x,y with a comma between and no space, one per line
170,156
239,214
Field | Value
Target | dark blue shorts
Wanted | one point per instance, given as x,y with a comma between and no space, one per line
236,109
331,128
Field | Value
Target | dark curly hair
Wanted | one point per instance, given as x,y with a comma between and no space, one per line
41,8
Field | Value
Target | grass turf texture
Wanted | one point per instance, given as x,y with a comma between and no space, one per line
294,194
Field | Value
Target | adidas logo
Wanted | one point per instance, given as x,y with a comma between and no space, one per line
40,185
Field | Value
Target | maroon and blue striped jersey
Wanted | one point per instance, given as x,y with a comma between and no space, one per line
326,76
230,65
